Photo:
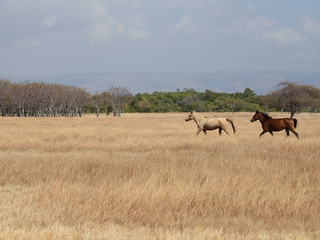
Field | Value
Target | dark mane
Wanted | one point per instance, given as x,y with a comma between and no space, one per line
265,115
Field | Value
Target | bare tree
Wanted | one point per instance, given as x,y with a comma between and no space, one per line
77,99
106,102
97,101
118,97
5,97
41,99
18,94
294,97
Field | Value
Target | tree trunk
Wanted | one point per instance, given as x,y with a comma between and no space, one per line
292,114
98,111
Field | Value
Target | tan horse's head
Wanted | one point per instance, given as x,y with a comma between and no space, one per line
191,116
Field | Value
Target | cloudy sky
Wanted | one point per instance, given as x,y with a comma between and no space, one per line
72,36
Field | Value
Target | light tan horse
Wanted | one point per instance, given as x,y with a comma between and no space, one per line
205,124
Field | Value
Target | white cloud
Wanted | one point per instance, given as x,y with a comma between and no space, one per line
100,10
184,24
310,26
211,30
136,28
104,32
244,26
185,4
111,29
247,26
49,21
266,29
250,7
107,21
138,34
282,37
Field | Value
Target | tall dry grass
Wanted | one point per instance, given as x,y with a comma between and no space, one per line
148,176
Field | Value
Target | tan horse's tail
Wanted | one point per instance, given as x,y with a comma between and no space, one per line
231,122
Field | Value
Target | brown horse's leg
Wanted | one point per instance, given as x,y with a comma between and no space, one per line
295,133
271,133
287,131
291,125
263,132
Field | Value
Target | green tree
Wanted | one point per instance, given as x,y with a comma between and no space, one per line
248,93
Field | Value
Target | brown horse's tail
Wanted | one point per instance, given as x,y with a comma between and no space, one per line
231,122
295,122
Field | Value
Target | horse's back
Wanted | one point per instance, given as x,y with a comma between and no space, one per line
278,124
213,123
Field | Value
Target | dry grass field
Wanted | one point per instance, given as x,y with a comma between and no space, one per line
148,176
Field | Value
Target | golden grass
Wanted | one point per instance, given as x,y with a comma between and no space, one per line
148,176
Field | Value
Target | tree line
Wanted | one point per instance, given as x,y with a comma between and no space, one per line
190,100
52,100
39,99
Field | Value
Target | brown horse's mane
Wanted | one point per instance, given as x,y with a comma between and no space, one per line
265,115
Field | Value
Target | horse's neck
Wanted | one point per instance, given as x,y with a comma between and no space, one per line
197,119
262,119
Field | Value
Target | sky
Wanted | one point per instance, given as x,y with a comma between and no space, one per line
75,36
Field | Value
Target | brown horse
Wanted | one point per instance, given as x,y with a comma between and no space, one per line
205,124
270,124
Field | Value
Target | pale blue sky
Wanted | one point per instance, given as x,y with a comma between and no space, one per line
74,36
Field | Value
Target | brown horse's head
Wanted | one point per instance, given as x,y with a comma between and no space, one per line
255,117
259,116
190,117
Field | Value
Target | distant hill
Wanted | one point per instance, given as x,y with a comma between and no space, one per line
261,82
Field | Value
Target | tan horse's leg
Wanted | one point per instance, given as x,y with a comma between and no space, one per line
225,130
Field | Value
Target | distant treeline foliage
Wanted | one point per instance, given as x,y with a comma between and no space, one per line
52,100
41,99
189,100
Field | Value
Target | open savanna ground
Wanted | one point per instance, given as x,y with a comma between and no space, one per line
149,176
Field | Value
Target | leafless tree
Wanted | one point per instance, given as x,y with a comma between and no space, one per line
106,101
41,99
97,101
294,97
5,97
118,97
